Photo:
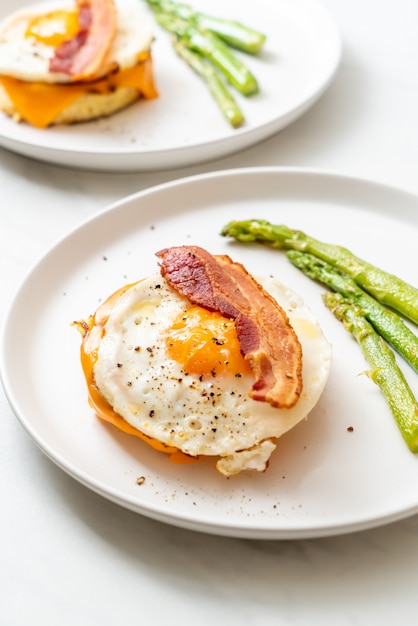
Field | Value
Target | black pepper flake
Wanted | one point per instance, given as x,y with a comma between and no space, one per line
152,413
129,383
137,348
119,364
350,429
238,375
104,258
157,287
217,342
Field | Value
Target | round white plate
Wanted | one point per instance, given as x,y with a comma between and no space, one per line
184,126
323,479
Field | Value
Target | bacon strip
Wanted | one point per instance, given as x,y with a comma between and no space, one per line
266,336
82,56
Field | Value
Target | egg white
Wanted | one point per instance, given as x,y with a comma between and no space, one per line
199,415
27,59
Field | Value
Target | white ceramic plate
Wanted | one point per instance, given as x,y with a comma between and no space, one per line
323,479
184,125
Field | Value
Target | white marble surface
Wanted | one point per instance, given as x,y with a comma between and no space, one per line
70,557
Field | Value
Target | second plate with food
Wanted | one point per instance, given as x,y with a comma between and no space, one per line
184,126
345,468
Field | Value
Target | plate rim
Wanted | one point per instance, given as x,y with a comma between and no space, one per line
189,522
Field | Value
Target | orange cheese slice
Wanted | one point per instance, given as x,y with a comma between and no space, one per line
40,103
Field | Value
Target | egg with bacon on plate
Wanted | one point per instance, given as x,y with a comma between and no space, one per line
71,61
203,360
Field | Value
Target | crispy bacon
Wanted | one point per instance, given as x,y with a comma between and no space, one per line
64,54
266,337
82,56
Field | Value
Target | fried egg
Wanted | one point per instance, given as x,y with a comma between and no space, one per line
30,37
174,372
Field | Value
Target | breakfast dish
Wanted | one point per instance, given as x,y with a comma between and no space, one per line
183,125
64,62
198,369
329,474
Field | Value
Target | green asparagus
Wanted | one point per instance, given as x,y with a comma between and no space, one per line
386,288
233,33
214,49
385,371
387,323
223,97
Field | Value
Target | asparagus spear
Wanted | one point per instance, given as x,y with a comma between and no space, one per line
386,288
387,323
216,86
214,49
234,33
385,371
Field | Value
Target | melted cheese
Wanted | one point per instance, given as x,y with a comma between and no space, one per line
40,103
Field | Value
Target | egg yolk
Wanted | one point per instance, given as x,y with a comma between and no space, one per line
205,342
52,29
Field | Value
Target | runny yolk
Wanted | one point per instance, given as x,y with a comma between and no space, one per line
205,342
52,29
